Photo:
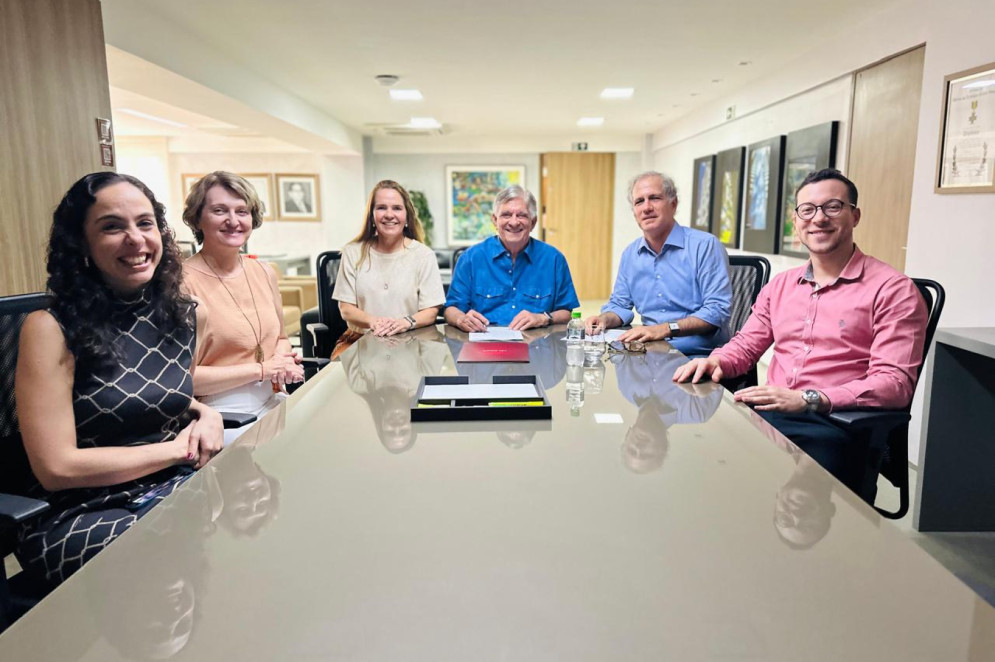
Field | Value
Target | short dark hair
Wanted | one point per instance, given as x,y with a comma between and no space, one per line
829,173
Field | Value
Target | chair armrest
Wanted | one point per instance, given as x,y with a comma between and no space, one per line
314,361
15,509
317,330
870,418
234,419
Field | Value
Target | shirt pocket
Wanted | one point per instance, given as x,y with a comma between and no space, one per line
537,297
490,292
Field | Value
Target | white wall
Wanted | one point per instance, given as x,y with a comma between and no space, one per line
950,236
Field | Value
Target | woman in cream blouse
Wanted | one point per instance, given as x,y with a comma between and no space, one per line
388,280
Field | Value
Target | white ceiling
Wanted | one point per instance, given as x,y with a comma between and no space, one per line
491,69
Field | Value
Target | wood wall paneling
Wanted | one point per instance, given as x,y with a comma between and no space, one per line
883,134
53,74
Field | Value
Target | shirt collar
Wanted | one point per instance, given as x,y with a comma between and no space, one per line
496,249
853,270
676,238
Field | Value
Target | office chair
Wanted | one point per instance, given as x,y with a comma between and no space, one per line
747,274
888,429
18,593
329,325
456,256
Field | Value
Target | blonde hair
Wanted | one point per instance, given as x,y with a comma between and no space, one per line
235,185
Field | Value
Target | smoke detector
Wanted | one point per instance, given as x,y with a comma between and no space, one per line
387,80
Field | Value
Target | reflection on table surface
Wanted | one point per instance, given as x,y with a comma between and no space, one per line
709,537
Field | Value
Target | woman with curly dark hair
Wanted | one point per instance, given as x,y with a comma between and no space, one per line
103,384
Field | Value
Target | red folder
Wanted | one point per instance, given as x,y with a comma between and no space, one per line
497,352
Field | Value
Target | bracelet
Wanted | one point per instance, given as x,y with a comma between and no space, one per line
411,321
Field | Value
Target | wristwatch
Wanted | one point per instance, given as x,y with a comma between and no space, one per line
549,318
411,321
812,399
675,329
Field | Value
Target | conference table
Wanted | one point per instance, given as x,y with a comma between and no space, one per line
646,521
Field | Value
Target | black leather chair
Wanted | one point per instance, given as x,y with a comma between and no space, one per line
456,256
324,331
888,429
17,594
747,274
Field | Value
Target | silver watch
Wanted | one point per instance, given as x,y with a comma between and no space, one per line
812,399
675,329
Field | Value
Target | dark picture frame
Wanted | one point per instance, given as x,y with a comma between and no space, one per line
805,151
701,193
727,203
761,213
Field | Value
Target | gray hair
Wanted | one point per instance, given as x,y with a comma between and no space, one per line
516,192
669,188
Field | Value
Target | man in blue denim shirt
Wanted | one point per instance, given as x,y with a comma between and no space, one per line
512,279
676,278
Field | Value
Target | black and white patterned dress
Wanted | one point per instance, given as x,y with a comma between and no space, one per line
143,399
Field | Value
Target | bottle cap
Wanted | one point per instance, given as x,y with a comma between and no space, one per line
575,314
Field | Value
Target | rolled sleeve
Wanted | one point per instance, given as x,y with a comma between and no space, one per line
621,302
461,285
566,295
716,290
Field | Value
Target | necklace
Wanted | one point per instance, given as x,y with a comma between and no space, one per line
259,347
393,266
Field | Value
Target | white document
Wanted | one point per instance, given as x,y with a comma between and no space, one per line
482,391
611,335
496,334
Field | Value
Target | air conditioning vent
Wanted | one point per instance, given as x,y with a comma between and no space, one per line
404,130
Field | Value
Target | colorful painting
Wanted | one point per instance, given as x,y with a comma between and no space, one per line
701,205
757,188
795,173
470,198
727,207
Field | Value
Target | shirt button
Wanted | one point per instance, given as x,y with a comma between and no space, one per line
514,289
513,306
659,295
815,296
808,320
805,348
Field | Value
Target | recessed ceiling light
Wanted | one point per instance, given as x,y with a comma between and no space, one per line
590,121
405,95
425,123
617,93
154,118
387,79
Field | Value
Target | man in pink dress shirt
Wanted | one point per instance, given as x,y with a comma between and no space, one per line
847,330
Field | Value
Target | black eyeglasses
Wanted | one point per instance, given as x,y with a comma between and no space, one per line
831,208
632,347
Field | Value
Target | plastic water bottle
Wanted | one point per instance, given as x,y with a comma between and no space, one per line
575,388
594,344
575,340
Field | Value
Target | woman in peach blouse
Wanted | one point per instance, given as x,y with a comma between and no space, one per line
244,358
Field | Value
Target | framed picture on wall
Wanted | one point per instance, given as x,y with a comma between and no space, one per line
701,193
805,150
764,170
470,193
263,183
965,162
187,180
728,198
297,197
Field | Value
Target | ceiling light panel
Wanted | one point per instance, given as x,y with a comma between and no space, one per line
424,123
405,95
617,93
590,121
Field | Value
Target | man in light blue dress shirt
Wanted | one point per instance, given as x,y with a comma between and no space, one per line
512,279
675,277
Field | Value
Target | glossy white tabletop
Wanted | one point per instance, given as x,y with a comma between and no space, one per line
677,528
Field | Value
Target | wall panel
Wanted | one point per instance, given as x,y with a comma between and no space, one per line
53,74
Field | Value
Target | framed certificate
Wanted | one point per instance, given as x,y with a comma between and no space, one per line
964,162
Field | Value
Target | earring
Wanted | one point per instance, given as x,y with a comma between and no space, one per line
86,261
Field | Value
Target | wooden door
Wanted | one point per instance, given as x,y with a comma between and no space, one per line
578,191
884,125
